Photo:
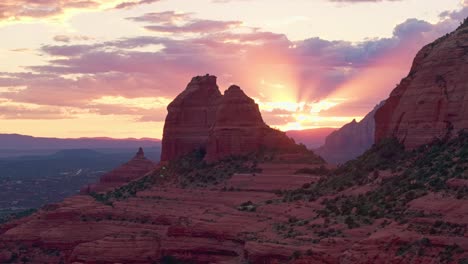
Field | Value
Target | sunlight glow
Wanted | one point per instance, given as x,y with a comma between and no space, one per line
322,105
286,106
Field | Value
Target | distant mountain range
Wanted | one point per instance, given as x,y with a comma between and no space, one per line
13,145
16,141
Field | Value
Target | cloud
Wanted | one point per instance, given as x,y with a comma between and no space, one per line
170,17
69,38
267,65
18,111
171,22
18,9
200,26
459,15
125,5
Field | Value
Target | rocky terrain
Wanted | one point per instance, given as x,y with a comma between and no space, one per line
226,195
350,141
388,206
431,102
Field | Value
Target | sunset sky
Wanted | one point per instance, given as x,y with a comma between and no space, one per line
86,68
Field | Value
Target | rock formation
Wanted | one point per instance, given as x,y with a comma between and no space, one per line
238,127
138,166
432,101
351,140
190,118
222,125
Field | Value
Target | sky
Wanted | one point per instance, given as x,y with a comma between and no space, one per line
93,68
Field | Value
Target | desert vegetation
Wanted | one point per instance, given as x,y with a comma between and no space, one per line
414,174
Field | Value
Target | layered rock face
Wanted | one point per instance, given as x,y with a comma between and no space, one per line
138,166
190,118
238,127
222,125
351,140
432,101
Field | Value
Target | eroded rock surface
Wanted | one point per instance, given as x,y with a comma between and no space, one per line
190,118
432,101
222,125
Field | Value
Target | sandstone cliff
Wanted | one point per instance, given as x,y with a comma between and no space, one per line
351,140
432,101
190,118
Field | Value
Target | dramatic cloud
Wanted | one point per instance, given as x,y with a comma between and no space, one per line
310,82
167,17
69,38
132,4
171,22
16,9
268,66
37,9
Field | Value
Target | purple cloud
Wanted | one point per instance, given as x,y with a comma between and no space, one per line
77,74
171,22
40,9
125,5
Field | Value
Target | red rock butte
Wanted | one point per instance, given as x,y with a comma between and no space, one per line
137,167
222,125
432,101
